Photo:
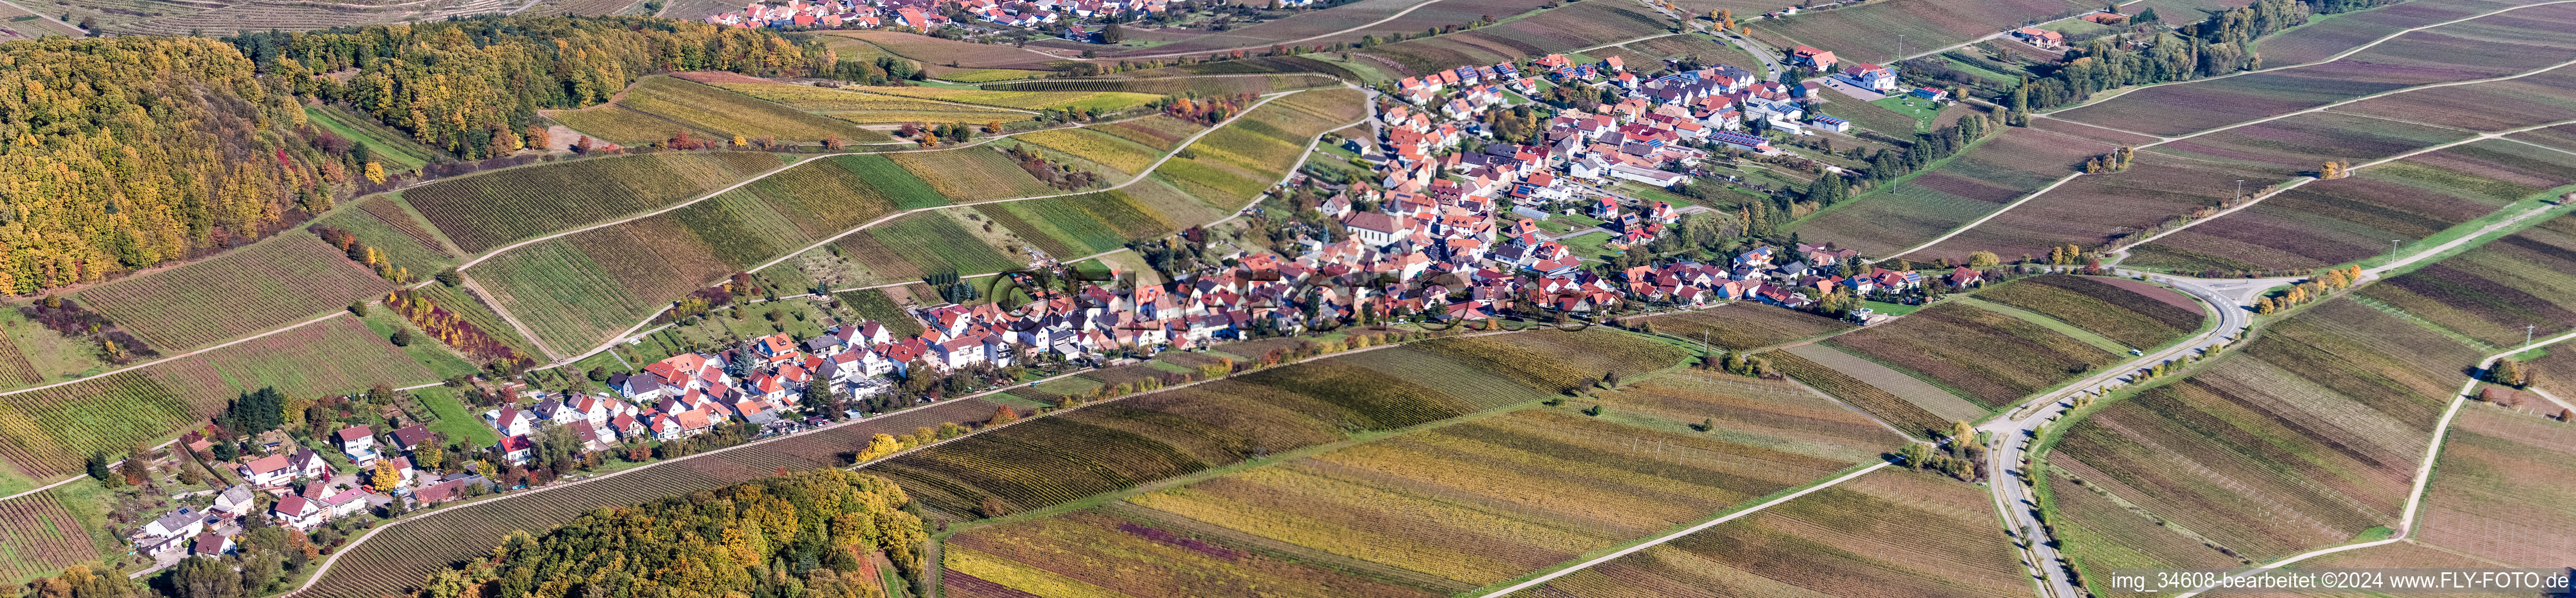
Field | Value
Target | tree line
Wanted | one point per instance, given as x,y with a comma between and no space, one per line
807,534
2223,43
473,86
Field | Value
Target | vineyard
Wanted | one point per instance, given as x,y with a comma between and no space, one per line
1172,86
1101,148
658,108
971,174
38,536
2502,495
826,196
2489,293
1909,403
265,286
1083,224
1977,182
1156,436
1229,167
1991,358
398,557
1889,533
1744,325
1772,414
2352,218
1161,131
2305,437
1562,29
49,431
1436,511
2132,317
869,108
1094,101
488,210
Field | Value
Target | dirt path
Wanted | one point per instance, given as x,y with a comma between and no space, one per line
2285,187
2423,474
648,319
1684,532
2338,56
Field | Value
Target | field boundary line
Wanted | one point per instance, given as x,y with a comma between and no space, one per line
327,563
2338,56
2572,153
2303,180
1141,176
344,549
2294,183
495,305
1685,531
1398,14
2423,474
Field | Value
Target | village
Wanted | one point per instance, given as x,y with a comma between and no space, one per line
1449,230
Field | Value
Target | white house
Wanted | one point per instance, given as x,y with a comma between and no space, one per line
359,443
235,500
267,471
299,512
170,530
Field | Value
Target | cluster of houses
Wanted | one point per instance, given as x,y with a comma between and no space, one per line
304,489
925,15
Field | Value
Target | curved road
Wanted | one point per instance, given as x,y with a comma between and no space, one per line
2013,435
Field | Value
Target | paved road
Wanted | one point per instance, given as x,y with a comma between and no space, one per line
2013,434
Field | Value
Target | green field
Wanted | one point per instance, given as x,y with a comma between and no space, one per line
67,423
397,152
285,279
487,210
658,108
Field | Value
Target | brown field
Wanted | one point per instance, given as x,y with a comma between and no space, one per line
1902,400
1991,358
2351,219
2493,292
2491,106
2302,143
941,52
2491,46
1744,325
1889,533
1999,170
2305,437
2095,210
2502,491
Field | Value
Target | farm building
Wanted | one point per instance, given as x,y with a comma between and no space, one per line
1648,176
2041,38
1833,124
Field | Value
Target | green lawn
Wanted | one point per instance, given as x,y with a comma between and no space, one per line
424,348
1923,111
455,419
398,154
1892,309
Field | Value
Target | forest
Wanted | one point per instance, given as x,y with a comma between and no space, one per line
808,534
472,87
